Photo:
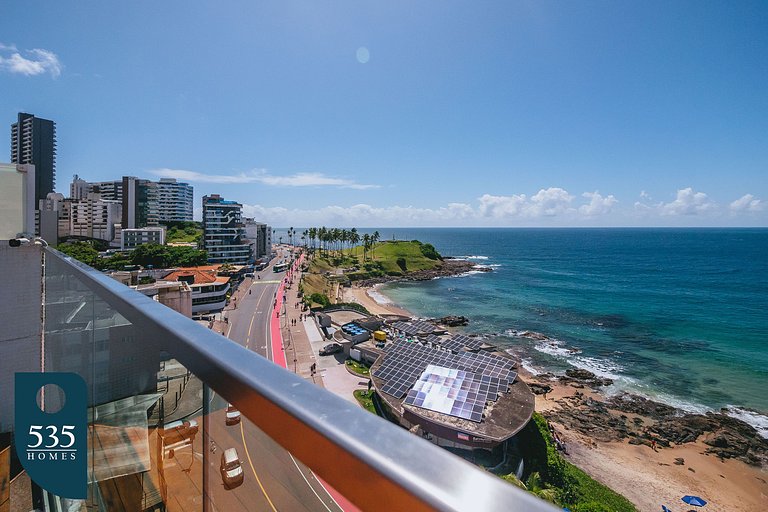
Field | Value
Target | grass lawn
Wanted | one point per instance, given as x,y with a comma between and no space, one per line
366,399
386,254
358,368
386,258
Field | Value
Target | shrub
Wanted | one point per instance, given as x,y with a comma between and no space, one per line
591,506
348,305
320,298
430,252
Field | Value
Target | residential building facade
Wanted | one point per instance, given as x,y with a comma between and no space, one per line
259,236
134,237
175,201
224,231
209,290
33,141
48,216
93,217
140,203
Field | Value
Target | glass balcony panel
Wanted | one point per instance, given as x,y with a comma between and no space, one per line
183,419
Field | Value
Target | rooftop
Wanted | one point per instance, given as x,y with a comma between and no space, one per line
501,418
202,275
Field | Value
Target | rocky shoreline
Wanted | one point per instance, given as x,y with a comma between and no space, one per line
448,268
638,420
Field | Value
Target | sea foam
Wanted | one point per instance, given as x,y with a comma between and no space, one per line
378,297
755,419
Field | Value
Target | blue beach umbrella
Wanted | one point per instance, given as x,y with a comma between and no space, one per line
665,509
694,500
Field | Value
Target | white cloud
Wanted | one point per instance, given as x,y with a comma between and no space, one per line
547,202
598,205
548,207
33,62
746,203
688,202
302,179
501,206
364,215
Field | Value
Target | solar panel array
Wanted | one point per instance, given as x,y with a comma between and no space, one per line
454,392
405,362
414,328
458,342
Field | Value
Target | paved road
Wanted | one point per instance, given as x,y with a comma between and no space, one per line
274,480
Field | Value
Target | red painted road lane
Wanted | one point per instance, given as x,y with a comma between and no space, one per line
278,356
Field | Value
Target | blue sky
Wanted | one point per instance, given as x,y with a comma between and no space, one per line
526,113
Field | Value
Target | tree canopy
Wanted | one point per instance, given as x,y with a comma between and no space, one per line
154,255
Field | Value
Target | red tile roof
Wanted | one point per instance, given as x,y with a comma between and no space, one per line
202,275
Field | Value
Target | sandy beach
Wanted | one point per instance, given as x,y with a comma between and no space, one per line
646,477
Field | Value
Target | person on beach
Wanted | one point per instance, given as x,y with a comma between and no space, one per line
653,444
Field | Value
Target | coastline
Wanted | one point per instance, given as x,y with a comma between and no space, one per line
646,477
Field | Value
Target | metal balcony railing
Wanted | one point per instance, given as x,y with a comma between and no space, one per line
373,463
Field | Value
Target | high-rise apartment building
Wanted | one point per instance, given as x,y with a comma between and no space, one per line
224,232
79,188
109,190
140,203
93,217
33,141
259,236
175,200
50,215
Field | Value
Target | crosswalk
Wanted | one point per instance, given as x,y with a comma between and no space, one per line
262,281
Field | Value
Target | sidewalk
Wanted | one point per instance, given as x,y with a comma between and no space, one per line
304,340
298,350
299,353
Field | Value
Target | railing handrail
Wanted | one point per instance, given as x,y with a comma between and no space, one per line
330,435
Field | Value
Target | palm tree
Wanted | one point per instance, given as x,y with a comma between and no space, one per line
366,244
335,237
354,238
322,234
374,241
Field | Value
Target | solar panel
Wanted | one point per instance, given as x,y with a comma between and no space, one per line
458,342
422,326
414,328
405,362
454,392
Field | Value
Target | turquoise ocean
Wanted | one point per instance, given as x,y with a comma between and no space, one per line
676,315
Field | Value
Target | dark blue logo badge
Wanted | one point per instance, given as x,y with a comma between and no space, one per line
52,446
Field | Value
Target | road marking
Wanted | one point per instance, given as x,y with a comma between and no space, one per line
264,281
268,346
248,337
258,480
310,485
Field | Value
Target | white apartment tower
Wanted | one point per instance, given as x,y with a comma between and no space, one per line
175,200
224,232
